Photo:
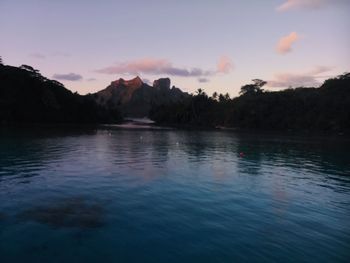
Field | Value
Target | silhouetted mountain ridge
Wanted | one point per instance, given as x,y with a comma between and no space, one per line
28,97
134,98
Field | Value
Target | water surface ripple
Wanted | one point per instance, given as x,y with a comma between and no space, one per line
110,195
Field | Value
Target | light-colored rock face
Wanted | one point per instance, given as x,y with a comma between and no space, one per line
135,98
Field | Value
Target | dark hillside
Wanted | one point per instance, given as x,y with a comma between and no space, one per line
28,97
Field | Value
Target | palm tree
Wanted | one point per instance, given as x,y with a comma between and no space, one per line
199,92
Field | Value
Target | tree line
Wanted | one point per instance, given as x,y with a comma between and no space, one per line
326,108
28,97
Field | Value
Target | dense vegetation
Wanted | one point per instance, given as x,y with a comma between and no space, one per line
326,108
28,97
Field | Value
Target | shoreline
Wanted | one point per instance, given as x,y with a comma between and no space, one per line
150,125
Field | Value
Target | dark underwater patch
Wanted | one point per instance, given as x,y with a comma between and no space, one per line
72,212
2,216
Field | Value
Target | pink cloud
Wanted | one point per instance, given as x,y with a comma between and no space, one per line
283,80
320,69
163,67
307,79
145,65
224,65
300,4
307,4
284,45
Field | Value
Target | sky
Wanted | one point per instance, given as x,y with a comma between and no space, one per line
215,45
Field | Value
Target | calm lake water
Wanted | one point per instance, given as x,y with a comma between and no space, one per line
113,195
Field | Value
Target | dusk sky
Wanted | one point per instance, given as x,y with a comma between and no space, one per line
214,45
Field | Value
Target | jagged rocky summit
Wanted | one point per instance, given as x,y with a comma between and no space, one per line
134,98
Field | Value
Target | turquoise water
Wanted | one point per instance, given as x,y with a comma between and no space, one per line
110,195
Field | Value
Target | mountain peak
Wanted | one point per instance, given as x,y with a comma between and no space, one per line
162,83
133,83
134,98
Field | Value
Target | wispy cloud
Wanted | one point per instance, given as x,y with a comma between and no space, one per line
37,55
300,4
306,79
320,69
283,80
147,81
91,79
60,54
284,45
308,4
225,65
203,80
68,76
156,66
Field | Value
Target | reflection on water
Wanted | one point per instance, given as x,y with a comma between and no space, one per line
92,195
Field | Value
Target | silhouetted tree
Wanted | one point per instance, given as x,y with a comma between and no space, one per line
55,82
200,92
256,87
33,72
28,68
344,76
